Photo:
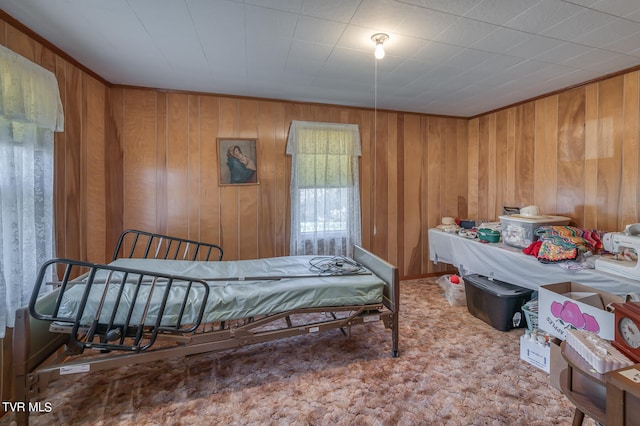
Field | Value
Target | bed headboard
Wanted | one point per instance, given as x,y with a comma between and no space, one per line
141,244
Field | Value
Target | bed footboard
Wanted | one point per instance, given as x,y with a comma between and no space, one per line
391,295
114,308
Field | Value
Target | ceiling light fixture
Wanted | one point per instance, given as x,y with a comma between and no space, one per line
379,39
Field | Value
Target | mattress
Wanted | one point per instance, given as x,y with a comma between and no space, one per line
231,295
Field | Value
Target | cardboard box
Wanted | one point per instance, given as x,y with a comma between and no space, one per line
574,305
557,363
534,353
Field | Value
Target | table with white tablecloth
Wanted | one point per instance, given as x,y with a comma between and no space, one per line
511,265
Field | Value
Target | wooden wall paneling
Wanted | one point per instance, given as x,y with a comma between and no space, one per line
510,160
590,214
380,204
249,206
569,150
281,179
525,152
162,172
449,166
114,163
501,156
366,174
609,169
178,151
45,58
75,201
462,169
229,127
3,32
401,202
209,226
59,166
321,113
433,183
95,174
492,172
20,43
629,202
473,169
140,150
485,127
412,177
268,153
194,179
545,161
389,250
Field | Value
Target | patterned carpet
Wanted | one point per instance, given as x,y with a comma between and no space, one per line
453,369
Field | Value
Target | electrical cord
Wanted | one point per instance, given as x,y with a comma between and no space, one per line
335,265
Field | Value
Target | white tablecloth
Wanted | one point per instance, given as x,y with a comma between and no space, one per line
509,264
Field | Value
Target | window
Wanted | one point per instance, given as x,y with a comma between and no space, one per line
30,111
325,197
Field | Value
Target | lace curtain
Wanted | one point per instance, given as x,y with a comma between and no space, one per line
30,111
325,196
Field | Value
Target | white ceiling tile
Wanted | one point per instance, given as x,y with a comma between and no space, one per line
465,32
501,40
333,10
455,7
500,11
452,57
588,59
578,25
635,16
318,30
269,23
561,52
438,53
615,30
618,7
381,15
292,6
425,23
628,45
543,15
533,46
613,63
306,51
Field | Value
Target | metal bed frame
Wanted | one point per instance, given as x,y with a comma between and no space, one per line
47,346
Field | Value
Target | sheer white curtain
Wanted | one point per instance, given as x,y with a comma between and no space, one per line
325,195
30,111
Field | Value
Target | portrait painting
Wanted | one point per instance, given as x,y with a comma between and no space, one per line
238,161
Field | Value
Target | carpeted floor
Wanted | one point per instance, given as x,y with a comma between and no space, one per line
453,369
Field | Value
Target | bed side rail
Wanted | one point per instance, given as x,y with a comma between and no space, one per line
113,308
141,244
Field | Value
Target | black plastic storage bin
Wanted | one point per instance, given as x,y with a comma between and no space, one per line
495,302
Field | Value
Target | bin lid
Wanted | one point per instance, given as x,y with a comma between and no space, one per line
496,287
540,219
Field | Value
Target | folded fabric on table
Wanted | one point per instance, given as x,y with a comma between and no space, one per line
570,236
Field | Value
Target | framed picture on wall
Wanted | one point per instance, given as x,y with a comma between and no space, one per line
238,161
